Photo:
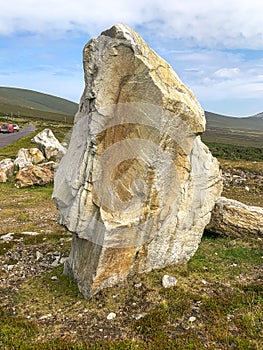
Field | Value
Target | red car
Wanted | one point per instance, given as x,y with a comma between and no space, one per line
7,128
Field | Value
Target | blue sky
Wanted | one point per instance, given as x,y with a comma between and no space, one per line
215,46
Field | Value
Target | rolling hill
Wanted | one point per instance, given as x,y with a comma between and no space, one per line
253,123
220,129
35,104
235,131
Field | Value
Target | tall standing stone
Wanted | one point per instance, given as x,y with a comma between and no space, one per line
137,185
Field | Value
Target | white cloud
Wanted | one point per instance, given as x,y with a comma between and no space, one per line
228,82
198,38
222,23
227,73
242,87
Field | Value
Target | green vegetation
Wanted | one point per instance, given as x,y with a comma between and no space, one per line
252,175
237,138
15,328
217,303
233,152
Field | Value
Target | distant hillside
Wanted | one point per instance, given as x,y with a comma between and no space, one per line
35,104
258,116
253,123
235,131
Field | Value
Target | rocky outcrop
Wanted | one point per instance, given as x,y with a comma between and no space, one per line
240,178
30,175
49,145
31,170
29,156
32,163
6,169
137,185
235,219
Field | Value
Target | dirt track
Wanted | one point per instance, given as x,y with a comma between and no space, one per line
6,139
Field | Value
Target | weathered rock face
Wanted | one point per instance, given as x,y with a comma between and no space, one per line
29,156
49,144
137,185
234,219
30,175
6,169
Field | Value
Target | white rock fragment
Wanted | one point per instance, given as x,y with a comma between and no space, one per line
169,281
8,237
6,169
111,316
139,316
30,233
229,317
49,144
8,267
44,317
38,255
63,260
56,262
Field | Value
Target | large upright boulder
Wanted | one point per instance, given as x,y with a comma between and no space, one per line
137,185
